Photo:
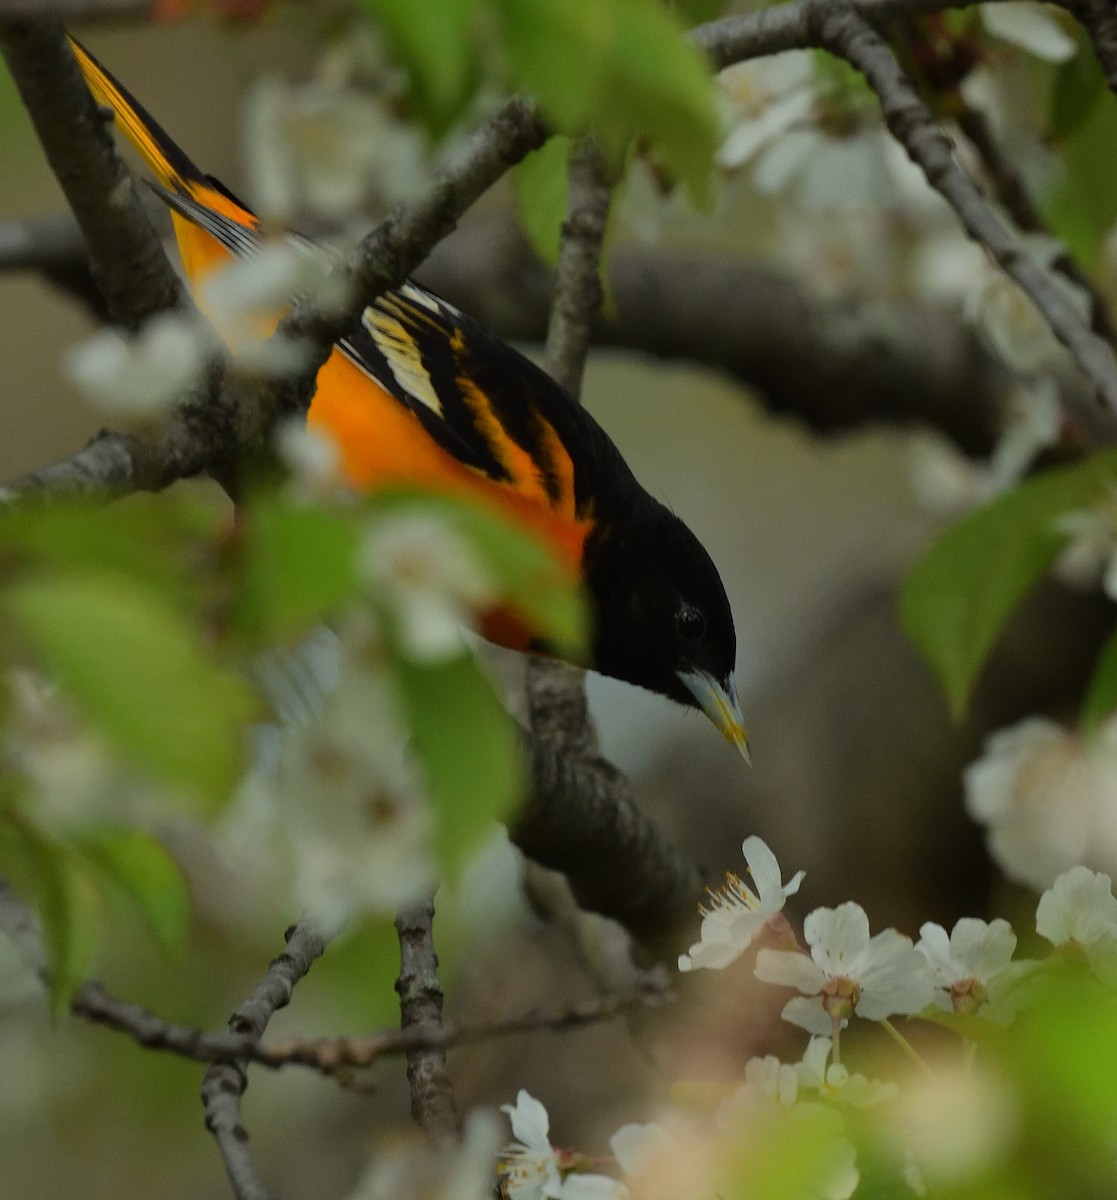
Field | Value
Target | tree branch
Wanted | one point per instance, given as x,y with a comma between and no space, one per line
126,256
224,1083
833,363
420,1003
580,818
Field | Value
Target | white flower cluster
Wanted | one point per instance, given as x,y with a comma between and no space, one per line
943,1126
1047,797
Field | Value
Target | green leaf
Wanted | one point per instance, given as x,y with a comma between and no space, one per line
64,900
141,537
542,188
141,867
1076,90
1101,696
467,747
433,39
140,672
697,12
960,594
621,67
297,567
530,579
1082,206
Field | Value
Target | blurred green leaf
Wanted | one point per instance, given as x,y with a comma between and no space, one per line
785,1154
142,537
297,566
541,196
140,672
530,579
1101,697
696,12
468,749
1064,1056
621,67
1082,205
433,39
960,594
64,899
140,866
1076,90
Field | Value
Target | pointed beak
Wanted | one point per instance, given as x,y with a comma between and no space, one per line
719,702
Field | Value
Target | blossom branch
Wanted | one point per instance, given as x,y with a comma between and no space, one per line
224,1083
840,29
420,1003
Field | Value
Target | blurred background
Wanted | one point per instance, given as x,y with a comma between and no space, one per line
813,520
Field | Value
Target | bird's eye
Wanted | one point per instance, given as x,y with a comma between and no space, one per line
690,624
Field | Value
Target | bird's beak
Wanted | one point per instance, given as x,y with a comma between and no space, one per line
719,702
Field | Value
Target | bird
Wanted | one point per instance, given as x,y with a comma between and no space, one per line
417,391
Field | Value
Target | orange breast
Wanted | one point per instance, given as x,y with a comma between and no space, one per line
381,442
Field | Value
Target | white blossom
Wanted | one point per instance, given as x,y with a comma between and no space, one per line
70,771
815,1073
1008,319
1031,27
344,796
736,914
953,1125
430,578
532,1169
1090,555
972,967
459,1171
141,376
847,972
1047,798
245,297
327,150
1080,908
948,483
764,98
312,455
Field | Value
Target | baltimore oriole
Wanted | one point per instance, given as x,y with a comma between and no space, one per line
419,392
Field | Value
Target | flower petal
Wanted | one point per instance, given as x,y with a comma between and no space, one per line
790,968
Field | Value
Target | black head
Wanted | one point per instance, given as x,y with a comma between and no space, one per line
662,619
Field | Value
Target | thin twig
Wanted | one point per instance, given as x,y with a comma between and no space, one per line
577,294
1012,192
420,1004
328,1055
224,1083
840,29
